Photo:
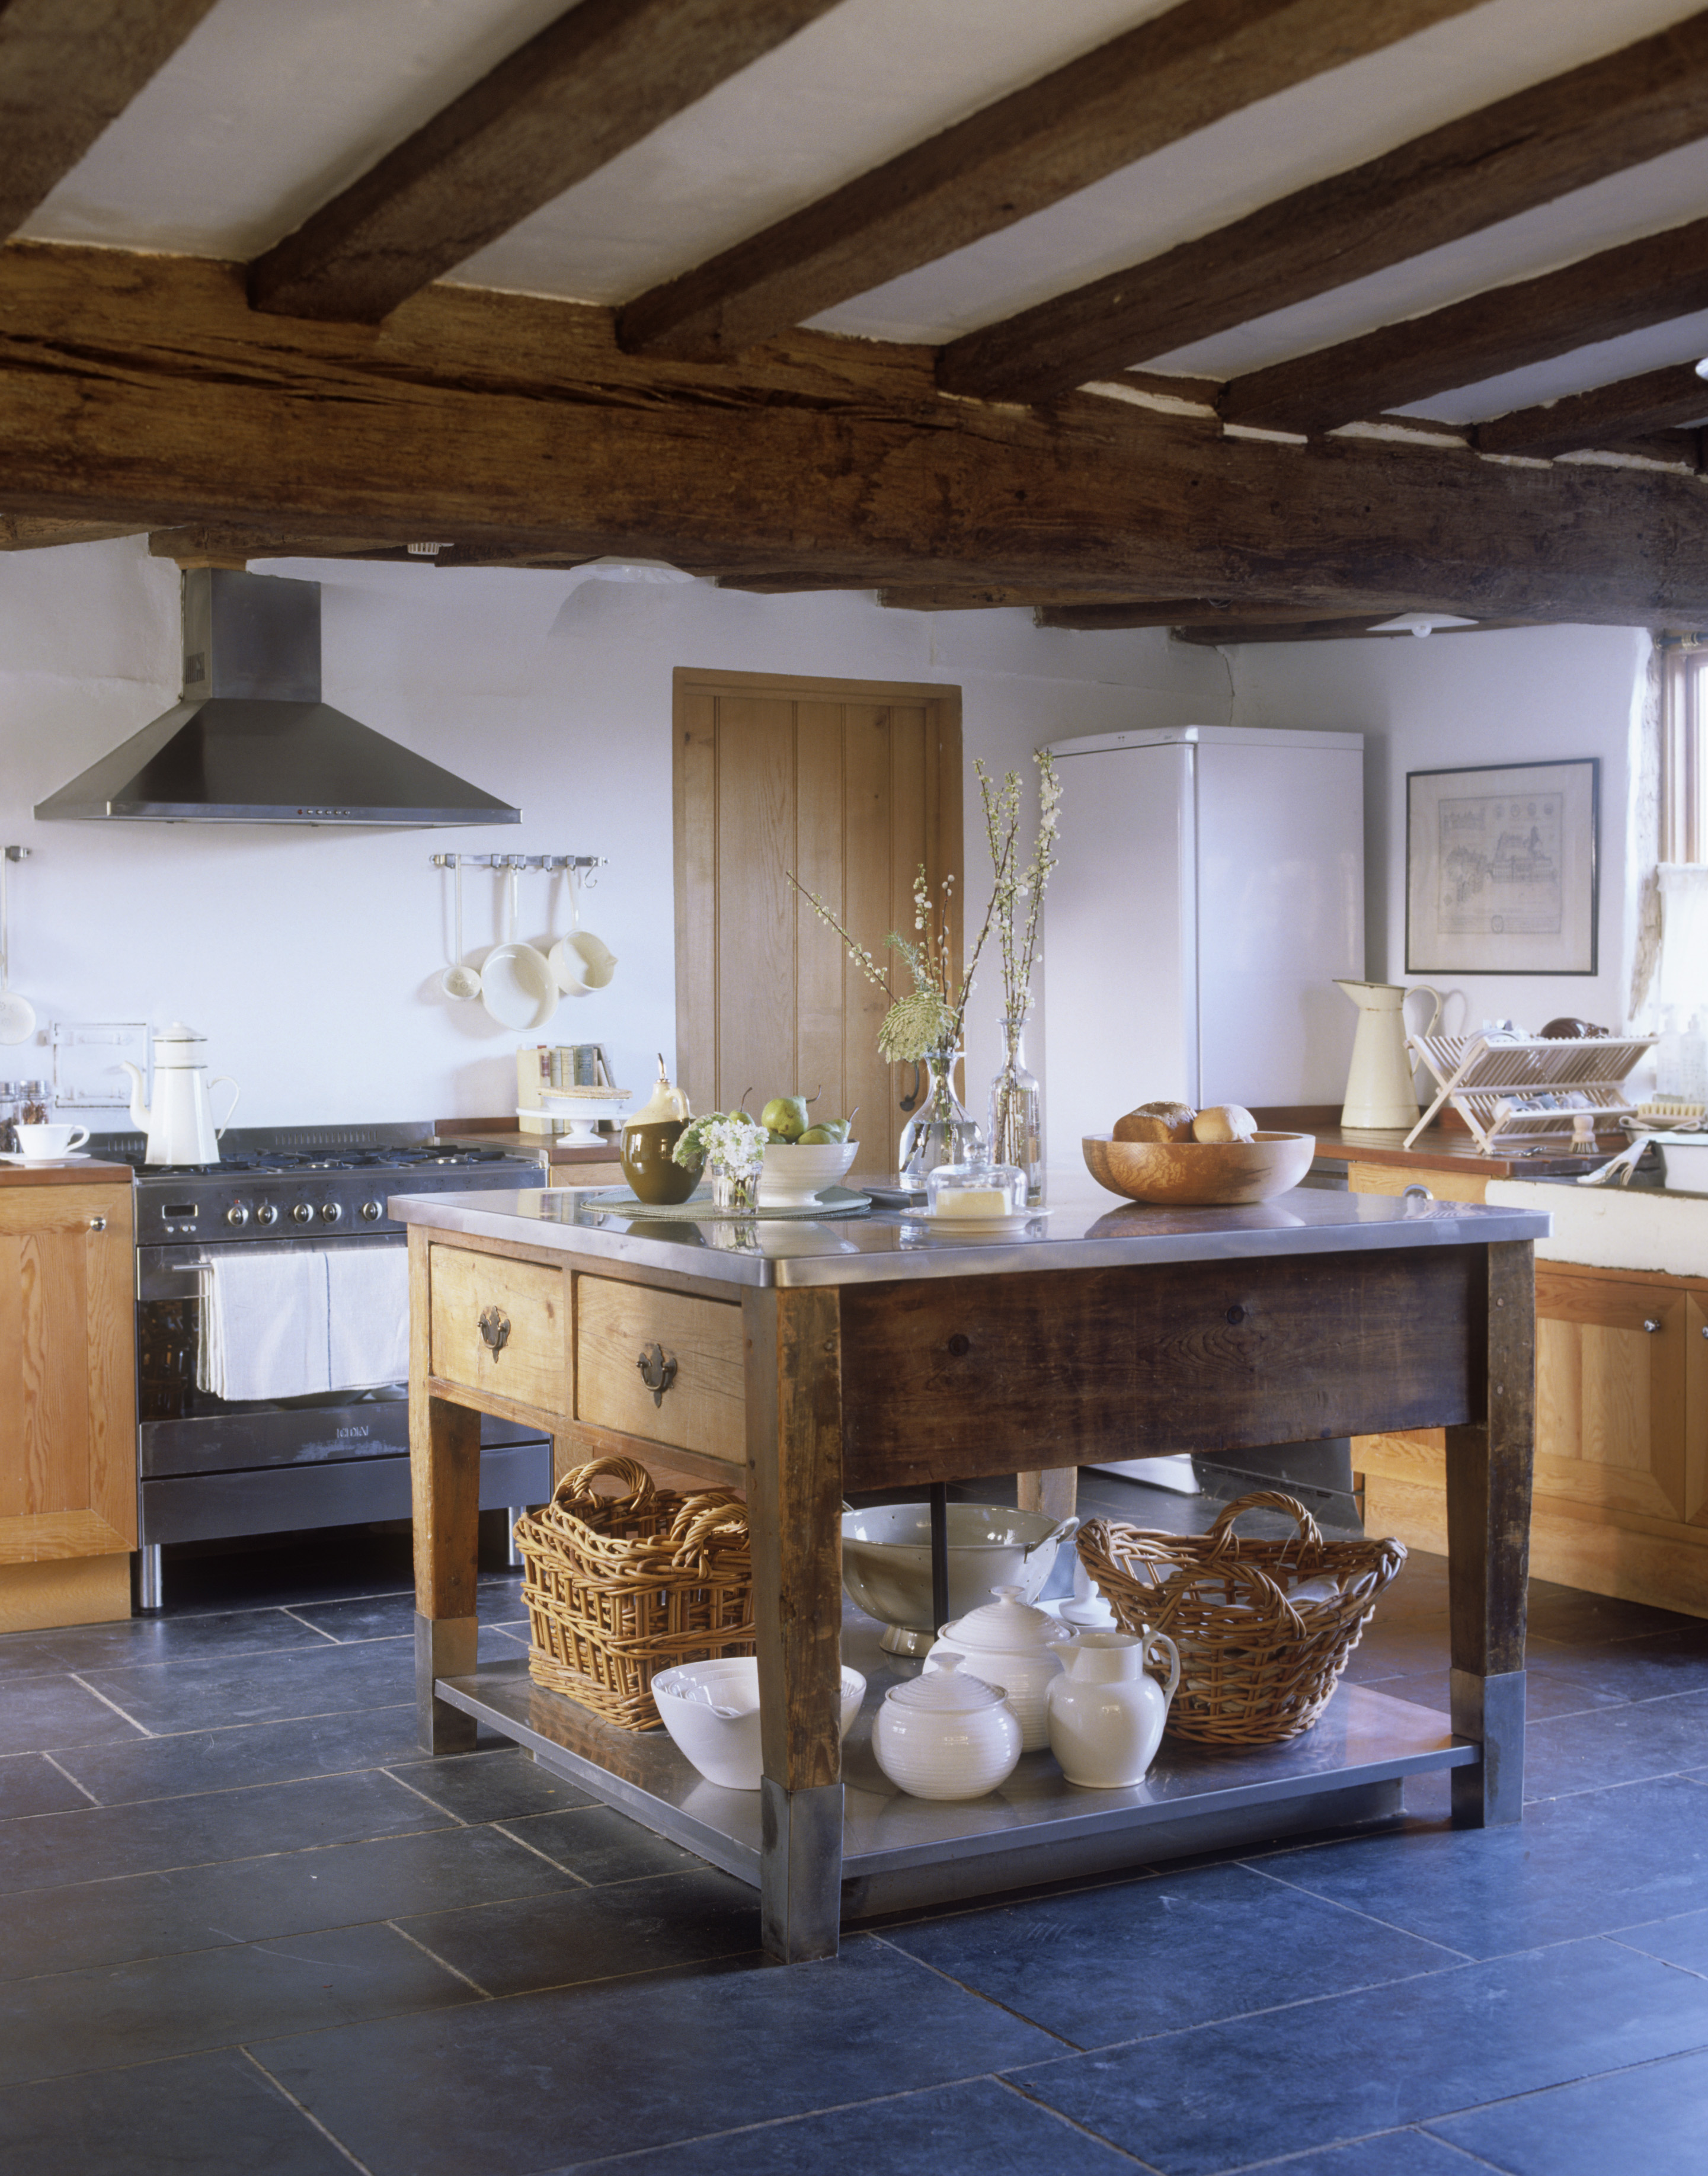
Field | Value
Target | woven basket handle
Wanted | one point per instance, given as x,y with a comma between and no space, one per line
702,1519
633,1476
1221,1534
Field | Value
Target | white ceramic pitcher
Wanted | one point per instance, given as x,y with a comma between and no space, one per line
1106,1712
1380,1093
179,1123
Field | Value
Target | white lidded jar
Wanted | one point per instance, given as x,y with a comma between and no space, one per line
1106,1712
946,1736
1008,1643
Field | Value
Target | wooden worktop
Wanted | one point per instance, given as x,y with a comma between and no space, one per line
65,1174
1439,1149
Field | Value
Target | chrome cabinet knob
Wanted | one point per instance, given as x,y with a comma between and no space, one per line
97,1223
1650,1325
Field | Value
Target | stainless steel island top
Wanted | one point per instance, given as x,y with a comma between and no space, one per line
1083,1228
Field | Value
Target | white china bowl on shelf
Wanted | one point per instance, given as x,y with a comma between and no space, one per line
793,1176
886,1562
711,1710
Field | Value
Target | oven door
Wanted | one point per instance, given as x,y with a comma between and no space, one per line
210,1467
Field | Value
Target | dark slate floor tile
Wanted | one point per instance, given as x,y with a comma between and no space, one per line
1615,1745
392,1616
1657,2114
1650,1667
144,1641
1547,1692
29,1783
499,2087
597,1933
39,1715
96,2020
1149,1956
1682,1940
1223,2096
601,1845
27,1655
978,2129
1586,1864
322,1679
488,1787
1568,1613
1392,2153
58,1849
197,2115
256,1753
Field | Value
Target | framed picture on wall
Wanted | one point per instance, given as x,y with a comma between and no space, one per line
1501,873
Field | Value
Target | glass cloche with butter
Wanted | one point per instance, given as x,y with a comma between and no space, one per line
976,1192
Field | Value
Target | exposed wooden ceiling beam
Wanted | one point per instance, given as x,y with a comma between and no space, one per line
605,74
1619,291
1160,81
141,389
1492,165
68,67
1602,417
1103,618
1322,630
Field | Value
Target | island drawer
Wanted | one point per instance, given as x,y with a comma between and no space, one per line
700,1403
501,1327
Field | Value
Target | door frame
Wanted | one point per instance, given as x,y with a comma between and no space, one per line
695,965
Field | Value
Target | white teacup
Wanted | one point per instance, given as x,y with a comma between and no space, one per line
45,1142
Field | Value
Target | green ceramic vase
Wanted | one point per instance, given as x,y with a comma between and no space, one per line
647,1165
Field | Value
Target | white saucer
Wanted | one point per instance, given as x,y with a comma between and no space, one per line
71,1156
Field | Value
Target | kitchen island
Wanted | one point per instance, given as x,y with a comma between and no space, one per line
883,1351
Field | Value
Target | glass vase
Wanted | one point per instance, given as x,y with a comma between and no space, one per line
1017,1113
739,1190
940,1131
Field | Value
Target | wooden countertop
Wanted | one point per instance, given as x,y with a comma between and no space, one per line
1440,1150
65,1174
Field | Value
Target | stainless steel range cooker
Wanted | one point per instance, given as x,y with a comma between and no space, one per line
210,1467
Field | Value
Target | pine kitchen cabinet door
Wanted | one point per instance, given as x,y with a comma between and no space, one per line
67,1404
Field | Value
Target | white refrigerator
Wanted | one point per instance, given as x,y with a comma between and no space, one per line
1210,889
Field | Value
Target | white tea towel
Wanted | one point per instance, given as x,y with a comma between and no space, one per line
368,1316
263,1331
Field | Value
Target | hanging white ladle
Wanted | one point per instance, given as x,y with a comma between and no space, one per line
460,979
17,1014
580,962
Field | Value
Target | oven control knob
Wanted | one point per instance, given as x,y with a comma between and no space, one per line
268,1213
302,1213
237,1214
330,1211
372,1212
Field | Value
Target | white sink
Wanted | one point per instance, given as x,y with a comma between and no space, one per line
1604,1227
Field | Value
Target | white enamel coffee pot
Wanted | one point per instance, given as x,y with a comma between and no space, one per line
179,1123
1106,1712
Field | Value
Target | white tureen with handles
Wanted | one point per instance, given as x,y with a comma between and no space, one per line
179,1123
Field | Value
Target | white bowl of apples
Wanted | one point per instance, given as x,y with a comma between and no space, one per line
802,1158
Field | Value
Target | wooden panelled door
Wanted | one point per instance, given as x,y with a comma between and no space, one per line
851,786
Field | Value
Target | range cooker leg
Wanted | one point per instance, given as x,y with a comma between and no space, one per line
1488,1486
516,1511
148,1582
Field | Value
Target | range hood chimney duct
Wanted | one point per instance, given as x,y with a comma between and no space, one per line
252,742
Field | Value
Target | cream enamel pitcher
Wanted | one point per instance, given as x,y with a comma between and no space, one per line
179,1123
1381,1097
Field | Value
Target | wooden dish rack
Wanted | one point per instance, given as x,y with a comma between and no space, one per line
1491,1083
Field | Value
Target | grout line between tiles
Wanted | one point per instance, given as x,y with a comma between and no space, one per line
331,1638
416,1942
501,1829
415,1792
1372,1918
112,1703
1285,2160
1071,2122
74,1782
977,1993
306,2112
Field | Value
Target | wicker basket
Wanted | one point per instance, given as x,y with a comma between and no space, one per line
1258,1661
618,1588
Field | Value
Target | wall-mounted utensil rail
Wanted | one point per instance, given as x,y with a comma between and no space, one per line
575,862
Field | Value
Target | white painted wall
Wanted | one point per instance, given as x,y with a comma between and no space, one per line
1509,696
309,957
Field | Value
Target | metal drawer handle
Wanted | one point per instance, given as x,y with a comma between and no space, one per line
657,1370
1651,1325
495,1329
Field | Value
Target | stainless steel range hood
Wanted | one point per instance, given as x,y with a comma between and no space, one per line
251,742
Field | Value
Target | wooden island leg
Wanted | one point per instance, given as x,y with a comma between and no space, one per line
794,1400
1489,1485
444,1465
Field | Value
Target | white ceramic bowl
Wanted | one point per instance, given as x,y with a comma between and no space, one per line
794,1177
886,1562
947,1736
711,1710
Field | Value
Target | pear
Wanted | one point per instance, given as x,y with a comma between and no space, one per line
785,1115
817,1137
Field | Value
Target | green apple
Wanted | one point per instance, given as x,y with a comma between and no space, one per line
785,1115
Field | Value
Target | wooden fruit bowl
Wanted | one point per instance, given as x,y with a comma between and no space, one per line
1200,1174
